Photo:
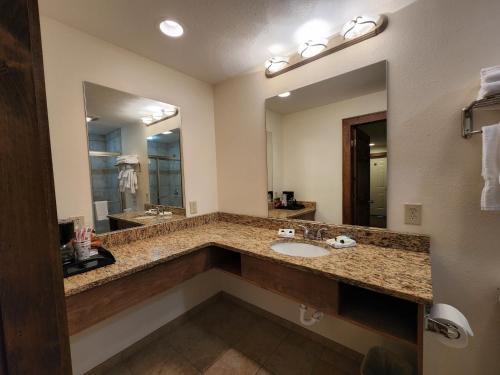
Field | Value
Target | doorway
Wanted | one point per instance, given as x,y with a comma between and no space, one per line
364,175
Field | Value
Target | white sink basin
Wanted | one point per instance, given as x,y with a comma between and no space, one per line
299,249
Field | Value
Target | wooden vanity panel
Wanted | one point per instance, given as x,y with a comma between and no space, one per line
305,287
92,306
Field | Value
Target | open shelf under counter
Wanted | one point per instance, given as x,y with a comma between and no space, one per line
385,314
226,260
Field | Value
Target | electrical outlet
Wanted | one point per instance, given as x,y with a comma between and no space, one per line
413,214
193,207
78,221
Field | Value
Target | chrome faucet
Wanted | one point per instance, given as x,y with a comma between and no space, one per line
319,233
305,231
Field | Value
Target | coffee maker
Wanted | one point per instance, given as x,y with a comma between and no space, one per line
66,235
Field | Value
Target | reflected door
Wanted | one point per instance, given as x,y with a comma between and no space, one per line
361,178
378,186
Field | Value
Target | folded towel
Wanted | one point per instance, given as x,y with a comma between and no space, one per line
127,159
490,197
488,89
341,242
491,74
101,210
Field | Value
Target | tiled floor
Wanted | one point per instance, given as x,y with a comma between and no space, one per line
225,338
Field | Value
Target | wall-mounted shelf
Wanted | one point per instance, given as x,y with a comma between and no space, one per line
468,114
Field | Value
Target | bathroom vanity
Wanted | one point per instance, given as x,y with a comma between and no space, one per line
383,284
306,213
134,219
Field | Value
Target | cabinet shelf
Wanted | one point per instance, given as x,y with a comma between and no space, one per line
390,316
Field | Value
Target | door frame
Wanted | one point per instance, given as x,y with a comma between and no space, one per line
33,324
347,159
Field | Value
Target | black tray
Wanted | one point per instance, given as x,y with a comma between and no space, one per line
103,258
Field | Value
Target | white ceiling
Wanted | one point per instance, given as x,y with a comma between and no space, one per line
115,109
223,38
364,81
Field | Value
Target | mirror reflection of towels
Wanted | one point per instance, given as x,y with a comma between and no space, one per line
101,210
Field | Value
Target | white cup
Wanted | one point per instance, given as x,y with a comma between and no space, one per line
82,249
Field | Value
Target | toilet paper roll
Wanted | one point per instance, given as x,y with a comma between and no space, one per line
444,313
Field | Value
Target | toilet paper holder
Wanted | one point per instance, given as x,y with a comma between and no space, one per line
448,323
446,329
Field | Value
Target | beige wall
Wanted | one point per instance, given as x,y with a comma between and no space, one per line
311,152
435,50
71,57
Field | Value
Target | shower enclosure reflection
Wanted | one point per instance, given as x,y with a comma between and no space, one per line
165,174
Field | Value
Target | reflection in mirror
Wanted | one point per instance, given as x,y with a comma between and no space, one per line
165,176
135,159
327,150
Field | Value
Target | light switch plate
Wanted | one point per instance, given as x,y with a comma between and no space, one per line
193,207
413,214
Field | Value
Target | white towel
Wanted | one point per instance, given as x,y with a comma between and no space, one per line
491,74
488,89
490,197
127,159
101,210
127,179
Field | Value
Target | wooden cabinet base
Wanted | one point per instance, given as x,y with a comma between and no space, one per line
304,287
94,305
380,313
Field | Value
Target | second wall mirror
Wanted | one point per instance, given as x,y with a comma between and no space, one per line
327,150
135,158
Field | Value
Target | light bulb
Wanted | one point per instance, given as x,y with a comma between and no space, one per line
359,26
312,47
276,63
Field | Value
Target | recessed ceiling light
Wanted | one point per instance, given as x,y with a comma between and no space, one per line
312,47
171,28
359,26
371,144
167,132
284,94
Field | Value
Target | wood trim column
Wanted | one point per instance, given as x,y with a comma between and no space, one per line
32,305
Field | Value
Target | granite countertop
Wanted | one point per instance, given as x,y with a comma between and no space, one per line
280,213
136,217
401,273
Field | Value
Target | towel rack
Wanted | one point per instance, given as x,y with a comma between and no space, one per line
468,114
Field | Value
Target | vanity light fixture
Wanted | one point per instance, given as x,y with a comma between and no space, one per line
147,120
284,94
355,31
359,26
276,63
167,132
371,144
312,47
171,28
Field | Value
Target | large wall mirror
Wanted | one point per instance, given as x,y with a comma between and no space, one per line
135,159
327,150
